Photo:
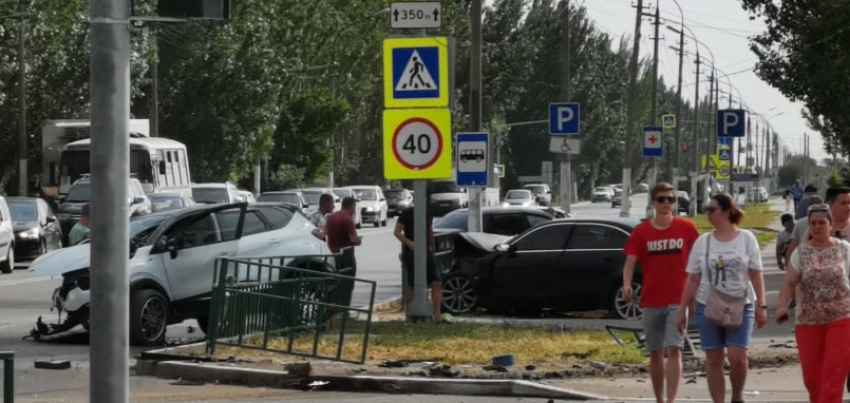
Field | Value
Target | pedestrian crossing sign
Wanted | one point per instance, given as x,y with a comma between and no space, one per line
416,72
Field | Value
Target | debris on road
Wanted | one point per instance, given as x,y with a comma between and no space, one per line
43,364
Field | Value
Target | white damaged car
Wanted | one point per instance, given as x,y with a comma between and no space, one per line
172,263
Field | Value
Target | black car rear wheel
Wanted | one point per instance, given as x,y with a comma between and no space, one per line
458,294
626,310
149,311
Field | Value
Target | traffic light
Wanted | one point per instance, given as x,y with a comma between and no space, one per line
201,9
684,148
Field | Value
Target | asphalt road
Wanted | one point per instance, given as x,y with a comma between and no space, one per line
24,297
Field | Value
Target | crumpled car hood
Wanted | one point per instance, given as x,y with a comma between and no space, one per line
483,240
63,261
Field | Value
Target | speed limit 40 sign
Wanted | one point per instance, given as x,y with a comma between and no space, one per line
417,144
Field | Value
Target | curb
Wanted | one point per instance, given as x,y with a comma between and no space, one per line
359,383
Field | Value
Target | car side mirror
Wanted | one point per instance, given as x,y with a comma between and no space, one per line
548,192
464,190
171,247
383,199
61,198
138,200
503,247
51,218
239,199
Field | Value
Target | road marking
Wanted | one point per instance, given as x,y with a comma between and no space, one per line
24,281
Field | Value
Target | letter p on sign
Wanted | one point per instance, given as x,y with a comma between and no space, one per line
731,123
564,119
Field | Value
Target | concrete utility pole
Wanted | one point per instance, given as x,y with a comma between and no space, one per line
566,177
692,208
653,171
23,176
709,150
679,118
713,134
155,83
475,220
110,240
631,133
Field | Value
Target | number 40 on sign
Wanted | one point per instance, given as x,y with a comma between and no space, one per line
417,144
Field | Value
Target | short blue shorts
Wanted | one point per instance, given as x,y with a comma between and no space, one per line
713,337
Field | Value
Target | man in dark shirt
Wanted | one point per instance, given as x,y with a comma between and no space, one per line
404,232
340,228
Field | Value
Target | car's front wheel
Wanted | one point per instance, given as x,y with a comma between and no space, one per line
9,265
149,311
458,294
623,309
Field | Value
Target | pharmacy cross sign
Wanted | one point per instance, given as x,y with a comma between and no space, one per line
651,141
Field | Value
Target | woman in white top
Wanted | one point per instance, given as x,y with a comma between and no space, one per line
820,267
733,254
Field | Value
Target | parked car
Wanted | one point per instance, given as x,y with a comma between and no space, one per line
496,220
291,197
216,193
373,204
7,239
312,196
247,197
617,200
169,201
565,265
70,205
759,194
172,262
542,193
602,194
342,193
519,198
684,201
446,196
36,229
398,200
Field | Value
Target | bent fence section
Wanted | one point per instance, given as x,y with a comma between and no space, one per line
298,305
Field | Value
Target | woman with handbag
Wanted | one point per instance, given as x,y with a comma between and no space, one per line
820,267
725,279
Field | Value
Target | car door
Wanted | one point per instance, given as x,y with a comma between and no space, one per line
254,240
192,246
593,264
6,232
521,276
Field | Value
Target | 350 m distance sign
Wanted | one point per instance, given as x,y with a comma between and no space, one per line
417,144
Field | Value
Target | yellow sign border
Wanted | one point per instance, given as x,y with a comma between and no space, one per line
442,167
442,44
665,127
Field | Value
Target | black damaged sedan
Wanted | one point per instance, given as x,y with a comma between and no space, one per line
563,265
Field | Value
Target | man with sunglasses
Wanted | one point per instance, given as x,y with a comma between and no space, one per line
661,246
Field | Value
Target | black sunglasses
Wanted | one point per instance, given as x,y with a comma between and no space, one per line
668,199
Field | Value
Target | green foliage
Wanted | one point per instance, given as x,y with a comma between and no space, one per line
804,54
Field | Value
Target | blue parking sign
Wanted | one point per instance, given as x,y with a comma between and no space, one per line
731,123
564,118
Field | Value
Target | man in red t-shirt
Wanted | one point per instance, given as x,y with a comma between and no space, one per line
661,246
341,230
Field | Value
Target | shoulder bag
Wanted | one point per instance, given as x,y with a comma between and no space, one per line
721,309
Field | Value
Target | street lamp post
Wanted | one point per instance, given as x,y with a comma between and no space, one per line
23,181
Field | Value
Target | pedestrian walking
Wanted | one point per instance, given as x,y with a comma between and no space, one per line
788,199
725,279
783,239
661,246
805,202
404,232
319,217
820,267
796,194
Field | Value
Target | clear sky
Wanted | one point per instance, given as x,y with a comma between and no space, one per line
724,27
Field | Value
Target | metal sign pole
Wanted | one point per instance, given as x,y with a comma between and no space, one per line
419,306
110,169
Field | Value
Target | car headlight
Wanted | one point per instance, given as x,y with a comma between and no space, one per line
369,209
505,204
29,234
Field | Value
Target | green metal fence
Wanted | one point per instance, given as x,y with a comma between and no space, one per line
8,376
256,301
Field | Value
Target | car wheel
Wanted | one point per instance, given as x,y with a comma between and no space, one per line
149,311
8,266
458,294
627,310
